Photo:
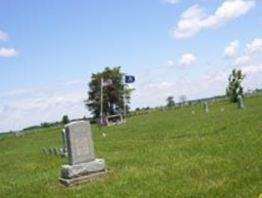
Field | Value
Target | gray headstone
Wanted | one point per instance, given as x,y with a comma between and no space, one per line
53,149
45,151
206,107
64,142
50,150
56,151
79,142
240,102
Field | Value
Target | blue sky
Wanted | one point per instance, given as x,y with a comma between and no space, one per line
48,50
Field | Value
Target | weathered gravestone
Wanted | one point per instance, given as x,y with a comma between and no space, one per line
53,150
50,151
64,143
240,102
206,107
83,165
45,151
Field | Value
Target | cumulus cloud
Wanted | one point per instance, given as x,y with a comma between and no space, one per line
155,94
190,22
242,60
26,107
187,59
232,49
172,1
194,18
254,46
7,52
3,36
252,69
250,64
246,57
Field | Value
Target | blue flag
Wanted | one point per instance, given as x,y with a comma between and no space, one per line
129,79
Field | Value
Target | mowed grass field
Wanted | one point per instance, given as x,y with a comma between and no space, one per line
172,153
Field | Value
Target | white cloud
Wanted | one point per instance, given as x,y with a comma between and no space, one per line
216,76
7,52
246,58
252,69
242,60
3,36
26,107
155,94
232,49
255,46
172,1
194,19
187,59
250,64
190,22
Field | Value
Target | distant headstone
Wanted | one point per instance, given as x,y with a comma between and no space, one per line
206,107
50,150
53,150
17,133
83,165
240,102
113,120
64,143
56,151
45,151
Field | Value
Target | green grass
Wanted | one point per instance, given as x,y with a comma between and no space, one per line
170,153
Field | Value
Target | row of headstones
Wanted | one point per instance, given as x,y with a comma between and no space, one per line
206,108
54,151
62,152
240,103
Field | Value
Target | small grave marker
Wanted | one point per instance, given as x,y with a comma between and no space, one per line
206,107
240,102
64,143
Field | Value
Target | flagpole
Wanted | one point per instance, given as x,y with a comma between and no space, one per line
101,101
124,103
124,99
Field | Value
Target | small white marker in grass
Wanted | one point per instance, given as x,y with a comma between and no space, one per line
104,135
193,112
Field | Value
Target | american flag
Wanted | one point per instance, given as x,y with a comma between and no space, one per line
107,82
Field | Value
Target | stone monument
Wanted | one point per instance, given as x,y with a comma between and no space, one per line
64,143
240,102
82,164
206,107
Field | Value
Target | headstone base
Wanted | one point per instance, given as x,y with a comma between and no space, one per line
81,179
79,173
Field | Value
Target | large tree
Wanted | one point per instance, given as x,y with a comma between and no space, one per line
65,119
113,95
235,88
170,101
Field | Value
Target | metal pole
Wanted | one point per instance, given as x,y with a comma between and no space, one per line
101,102
124,99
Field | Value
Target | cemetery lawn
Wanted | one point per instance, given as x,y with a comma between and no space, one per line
171,153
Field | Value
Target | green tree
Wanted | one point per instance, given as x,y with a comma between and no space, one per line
170,101
65,119
113,95
235,88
